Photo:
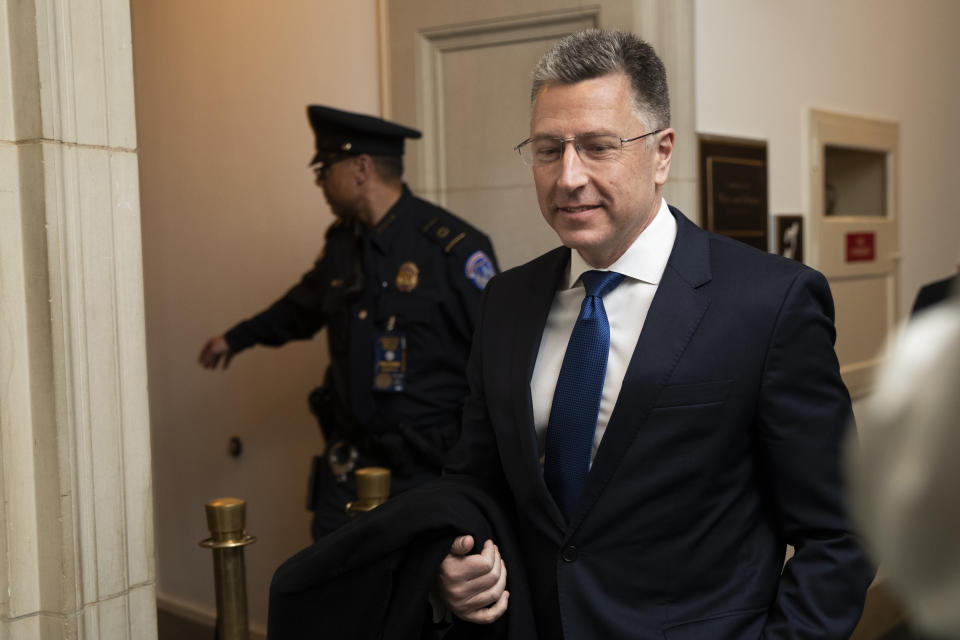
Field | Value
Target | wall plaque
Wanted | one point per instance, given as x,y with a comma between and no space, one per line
734,189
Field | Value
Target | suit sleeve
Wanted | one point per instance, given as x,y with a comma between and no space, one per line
475,459
804,412
296,316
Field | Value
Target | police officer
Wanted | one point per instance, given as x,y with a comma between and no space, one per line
398,286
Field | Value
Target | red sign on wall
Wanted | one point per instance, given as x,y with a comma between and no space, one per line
861,247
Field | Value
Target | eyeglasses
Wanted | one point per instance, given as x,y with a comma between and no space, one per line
543,151
320,169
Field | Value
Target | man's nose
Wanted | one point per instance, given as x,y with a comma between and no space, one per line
573,173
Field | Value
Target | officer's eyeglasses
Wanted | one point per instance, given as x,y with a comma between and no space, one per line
543,151
320,169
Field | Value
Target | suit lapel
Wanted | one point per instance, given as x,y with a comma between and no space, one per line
674,316
535,301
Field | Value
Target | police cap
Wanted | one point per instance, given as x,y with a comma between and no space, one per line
344,133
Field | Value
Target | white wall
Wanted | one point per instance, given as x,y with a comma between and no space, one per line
231,219
761,65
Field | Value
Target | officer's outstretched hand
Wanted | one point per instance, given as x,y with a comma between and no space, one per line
214,351
473,586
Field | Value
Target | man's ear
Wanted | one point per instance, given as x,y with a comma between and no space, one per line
362,168
664,156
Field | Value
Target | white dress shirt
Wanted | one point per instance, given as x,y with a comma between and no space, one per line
643,265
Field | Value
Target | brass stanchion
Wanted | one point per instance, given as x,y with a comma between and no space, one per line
226,519
373,489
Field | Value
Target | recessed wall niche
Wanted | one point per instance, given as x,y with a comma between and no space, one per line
855,181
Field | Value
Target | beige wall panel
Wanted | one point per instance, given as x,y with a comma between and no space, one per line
866,297
833,249
231,218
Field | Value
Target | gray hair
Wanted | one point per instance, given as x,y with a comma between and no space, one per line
594,53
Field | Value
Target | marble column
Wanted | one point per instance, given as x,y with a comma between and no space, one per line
76,513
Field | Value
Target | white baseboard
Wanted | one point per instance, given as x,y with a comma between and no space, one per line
200,614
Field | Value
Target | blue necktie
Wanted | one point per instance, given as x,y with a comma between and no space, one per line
576,400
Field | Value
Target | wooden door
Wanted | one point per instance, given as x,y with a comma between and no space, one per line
854,234
460,72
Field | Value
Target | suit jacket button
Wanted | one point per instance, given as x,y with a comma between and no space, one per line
569,553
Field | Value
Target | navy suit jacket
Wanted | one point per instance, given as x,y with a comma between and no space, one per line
723,447
934,293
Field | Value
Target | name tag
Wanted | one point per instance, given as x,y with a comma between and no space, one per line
390,360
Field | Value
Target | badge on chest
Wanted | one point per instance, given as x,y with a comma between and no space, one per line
408,276
390,359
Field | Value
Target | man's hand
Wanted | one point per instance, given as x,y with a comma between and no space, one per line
215,350
473,586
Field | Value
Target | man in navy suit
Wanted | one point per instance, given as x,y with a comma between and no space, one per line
716,419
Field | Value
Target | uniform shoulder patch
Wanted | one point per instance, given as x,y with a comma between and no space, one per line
445,231
479,269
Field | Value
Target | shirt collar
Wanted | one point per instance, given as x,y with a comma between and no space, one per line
646,259
383,234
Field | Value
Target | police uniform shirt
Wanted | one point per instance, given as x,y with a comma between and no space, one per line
420,273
